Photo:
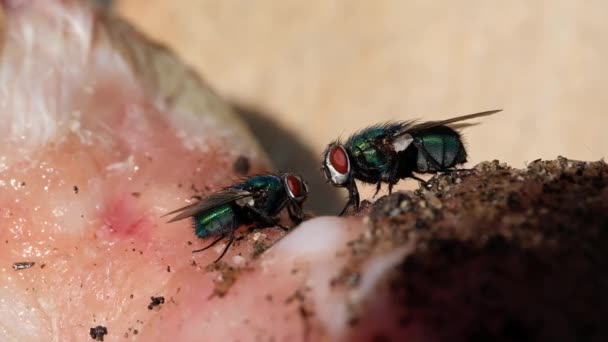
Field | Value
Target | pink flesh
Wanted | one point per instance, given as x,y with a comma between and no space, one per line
84,203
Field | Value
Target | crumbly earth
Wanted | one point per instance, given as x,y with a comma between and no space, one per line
496,253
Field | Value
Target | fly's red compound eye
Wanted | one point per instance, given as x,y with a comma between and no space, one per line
294,184
338,159
337,165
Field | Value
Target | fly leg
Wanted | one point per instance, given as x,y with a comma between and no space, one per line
210,245
422,182
230,241
353,196
378,186
295,212
345,207
463,169
392,180
266,220
418,179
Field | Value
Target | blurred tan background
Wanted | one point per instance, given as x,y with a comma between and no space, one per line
314,70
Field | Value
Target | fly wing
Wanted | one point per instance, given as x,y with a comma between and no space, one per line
215,200
411,127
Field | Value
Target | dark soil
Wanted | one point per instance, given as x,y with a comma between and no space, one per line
499,254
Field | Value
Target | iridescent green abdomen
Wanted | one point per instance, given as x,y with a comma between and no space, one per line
215,221
444,146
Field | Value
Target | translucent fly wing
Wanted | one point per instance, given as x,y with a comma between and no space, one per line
411,127
215,200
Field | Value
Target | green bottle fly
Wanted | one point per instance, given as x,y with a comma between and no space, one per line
257,200
393,151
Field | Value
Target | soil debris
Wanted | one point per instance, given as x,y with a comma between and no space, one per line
97,333
156,302
520,251
22,265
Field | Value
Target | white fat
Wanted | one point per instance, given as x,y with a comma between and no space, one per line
335,307
402,142
374,271
238,260
123,166
21,316
42,57
313,238
330,306
315,242
55,55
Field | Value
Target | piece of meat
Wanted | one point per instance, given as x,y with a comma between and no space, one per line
103,132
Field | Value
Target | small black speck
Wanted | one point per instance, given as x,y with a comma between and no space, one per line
135,332
194,189
156,301
42,266
241,165
169,268
22,183
189,243
98,333
131,296
22,265
75,189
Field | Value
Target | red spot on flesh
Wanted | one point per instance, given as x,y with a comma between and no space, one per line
338,159
295,185
122,218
